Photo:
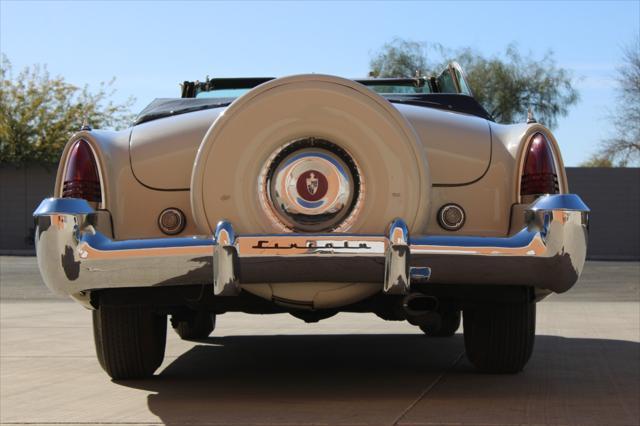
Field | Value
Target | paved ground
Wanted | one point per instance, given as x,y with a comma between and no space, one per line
350,369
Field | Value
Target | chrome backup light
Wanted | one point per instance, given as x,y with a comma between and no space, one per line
451,217
171,221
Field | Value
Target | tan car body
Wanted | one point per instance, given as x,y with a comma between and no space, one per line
473,162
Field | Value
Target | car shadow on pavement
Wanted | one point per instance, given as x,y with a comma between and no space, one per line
382,379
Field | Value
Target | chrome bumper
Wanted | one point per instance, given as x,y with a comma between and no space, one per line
549,253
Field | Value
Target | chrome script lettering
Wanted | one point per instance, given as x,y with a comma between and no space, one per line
267,245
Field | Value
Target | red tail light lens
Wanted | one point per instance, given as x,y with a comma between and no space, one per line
539,175
81,179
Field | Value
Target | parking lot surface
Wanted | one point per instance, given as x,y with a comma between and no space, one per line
352,369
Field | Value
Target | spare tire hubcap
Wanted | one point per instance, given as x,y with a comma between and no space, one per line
312,185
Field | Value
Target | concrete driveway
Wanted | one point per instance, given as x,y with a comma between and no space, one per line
349,369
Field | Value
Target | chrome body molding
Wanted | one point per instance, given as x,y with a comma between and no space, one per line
549,253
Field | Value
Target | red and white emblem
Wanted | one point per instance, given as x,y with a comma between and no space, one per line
312,185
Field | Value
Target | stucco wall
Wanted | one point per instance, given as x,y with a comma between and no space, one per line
21,190
612,194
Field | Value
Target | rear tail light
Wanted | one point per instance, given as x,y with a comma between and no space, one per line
539,175
81,179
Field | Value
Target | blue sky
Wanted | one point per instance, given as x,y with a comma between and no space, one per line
152,46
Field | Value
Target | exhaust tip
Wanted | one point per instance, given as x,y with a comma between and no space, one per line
421,310
416,303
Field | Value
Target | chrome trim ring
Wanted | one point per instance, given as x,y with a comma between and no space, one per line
310,185
451,217
172,221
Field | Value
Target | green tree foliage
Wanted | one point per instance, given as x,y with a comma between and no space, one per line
399,58
507,86
38,113
623,148
597,161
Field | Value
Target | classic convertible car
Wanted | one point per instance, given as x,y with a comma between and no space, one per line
313,195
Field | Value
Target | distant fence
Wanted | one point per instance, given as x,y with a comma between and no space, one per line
613,195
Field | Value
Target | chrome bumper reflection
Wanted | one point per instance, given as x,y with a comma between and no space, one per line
74,256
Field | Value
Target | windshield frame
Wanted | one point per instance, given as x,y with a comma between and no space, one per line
162,108
426,93
423,85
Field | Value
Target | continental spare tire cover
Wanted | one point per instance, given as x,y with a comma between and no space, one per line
310,153
349,131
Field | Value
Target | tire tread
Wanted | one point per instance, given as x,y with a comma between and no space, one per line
130,340
500,338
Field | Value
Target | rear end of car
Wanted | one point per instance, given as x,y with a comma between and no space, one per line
312,195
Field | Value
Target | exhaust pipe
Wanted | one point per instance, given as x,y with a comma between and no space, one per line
421,310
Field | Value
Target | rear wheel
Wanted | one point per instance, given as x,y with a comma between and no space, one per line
197,325
130,340
499,338
449,324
